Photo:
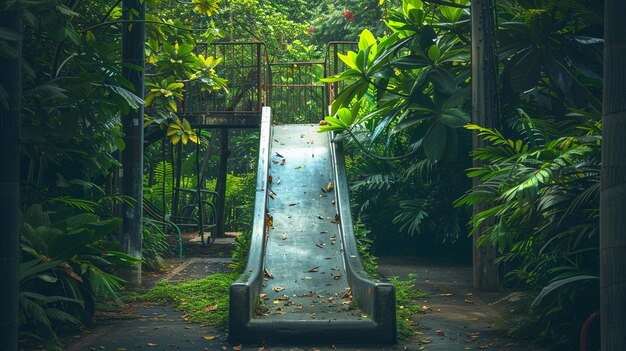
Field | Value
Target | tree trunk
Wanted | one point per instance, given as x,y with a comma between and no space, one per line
220,186
133,42
613,181
10,80
485,112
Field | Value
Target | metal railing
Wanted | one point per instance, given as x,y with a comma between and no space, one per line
244,66
296,91
333,65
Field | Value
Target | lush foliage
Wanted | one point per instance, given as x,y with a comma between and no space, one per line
74,98
405,97
67,265
541,168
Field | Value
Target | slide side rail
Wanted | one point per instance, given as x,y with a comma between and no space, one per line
246,288
375,298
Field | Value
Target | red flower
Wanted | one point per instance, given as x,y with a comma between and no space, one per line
311,29
348,15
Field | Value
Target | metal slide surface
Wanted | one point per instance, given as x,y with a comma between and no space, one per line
298,283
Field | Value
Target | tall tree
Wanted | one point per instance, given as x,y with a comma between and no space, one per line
485,112
613,181
133,58
10,106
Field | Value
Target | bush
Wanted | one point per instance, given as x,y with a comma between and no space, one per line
66,266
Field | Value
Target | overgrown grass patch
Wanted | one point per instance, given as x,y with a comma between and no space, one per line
406,308
203,301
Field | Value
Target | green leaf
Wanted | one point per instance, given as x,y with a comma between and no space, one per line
90,37
454,117
442,80
64,10
557,284
350,60
410,62
345,116
47,278
366,40
61,316
450,13
434,141
417,16
434,53
30,269
66,245
523,70
104,227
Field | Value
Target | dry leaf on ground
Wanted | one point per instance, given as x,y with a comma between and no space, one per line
210,308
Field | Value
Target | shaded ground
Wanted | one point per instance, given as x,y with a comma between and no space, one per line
457,317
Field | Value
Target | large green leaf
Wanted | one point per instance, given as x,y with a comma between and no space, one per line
410,62
104,227
366,40
523,70
434,142
66,245
454,117
558,284
442,80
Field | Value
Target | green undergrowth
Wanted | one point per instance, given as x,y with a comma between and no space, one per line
206,301
203,301
406,308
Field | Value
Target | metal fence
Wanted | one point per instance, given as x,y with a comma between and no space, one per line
333,65
296,92
244,66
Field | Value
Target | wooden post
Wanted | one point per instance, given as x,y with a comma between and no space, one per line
133,46
485,113
220,186
613,181
11,81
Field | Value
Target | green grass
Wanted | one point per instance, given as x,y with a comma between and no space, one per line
406,309
203,301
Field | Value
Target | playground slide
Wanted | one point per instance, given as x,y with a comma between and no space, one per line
304,281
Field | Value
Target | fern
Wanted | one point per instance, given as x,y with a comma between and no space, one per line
162,187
